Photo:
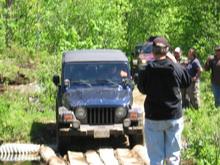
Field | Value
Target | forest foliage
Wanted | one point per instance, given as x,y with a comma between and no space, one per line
56,25
34,33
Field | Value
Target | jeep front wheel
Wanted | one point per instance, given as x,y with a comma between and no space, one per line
63,144
136,139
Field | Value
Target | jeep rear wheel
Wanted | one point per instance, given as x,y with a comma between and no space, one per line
136,139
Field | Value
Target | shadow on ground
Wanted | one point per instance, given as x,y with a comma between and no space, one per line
83,144
43,133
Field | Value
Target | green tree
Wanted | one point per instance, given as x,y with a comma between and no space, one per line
2,26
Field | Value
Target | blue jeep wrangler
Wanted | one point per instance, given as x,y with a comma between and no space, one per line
94,97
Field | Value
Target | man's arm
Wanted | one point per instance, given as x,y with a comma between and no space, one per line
142,81
186,79
198,73
208,61
198,69
171,57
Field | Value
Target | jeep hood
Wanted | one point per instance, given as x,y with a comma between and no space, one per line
98,96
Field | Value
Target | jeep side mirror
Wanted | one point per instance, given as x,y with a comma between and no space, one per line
67,83
56,80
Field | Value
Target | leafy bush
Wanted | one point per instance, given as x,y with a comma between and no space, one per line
19,110
202,131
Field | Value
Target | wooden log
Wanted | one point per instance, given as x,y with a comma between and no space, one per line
49,156
107,156
93,158
141,151
56,161
127,157
46,153
76,158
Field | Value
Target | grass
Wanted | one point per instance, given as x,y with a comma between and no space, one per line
19,111
18,115
202,131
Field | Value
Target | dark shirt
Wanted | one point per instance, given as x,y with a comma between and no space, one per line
193,67
214,65
161,82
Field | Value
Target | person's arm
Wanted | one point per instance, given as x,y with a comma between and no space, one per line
185,79
198,73
141,81
208,62
171,57
198,69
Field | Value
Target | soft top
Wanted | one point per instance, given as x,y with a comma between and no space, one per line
87,55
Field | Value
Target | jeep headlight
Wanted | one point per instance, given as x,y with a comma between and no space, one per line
80,113
120,112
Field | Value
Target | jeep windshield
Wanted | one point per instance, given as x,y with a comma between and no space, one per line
98,73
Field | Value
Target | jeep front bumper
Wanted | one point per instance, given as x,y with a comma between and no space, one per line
101,131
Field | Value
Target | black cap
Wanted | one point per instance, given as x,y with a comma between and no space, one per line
161,42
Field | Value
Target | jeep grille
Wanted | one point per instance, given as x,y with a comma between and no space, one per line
99,116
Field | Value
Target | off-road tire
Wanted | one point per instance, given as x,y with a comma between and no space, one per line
136,139
63,143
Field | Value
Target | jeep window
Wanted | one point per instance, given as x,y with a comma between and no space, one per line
95,73
147,48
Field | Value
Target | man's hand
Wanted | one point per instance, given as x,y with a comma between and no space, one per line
194,79
210,57
171,57
207,63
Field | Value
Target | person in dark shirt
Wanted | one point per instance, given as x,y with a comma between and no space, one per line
161,81
182,61
213,63
194,68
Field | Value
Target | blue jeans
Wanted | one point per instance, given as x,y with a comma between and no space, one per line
163,141
216,92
